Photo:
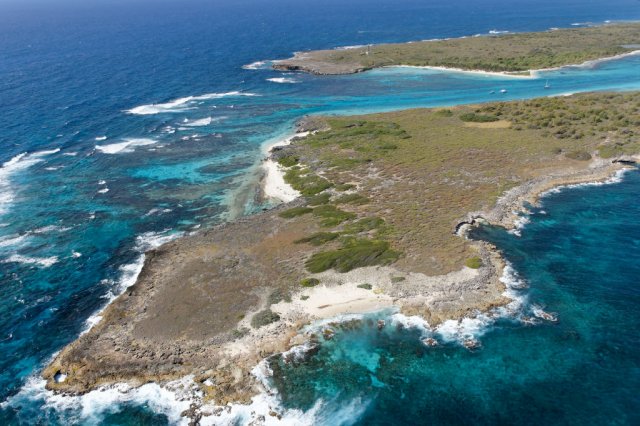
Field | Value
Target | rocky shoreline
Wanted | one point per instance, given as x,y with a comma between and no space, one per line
193,306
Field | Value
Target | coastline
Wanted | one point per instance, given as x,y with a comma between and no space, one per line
508,74
528,74
187,398
483,290
590,63
273,185
571,46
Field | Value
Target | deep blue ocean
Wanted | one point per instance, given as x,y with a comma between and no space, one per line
126,123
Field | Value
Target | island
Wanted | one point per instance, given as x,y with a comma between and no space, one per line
515,54
381,221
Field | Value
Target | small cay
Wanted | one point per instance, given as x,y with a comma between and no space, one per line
381,222
507,54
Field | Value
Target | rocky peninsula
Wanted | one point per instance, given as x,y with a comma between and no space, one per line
380,222
512,54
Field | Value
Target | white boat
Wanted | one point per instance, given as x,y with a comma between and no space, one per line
547,85
503,90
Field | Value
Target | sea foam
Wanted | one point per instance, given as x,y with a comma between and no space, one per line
182,104
198,123
10,168
127,146
283,80
256,65
129,272
45,262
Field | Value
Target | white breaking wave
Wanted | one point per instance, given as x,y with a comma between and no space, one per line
198,123
519,224
617,177
17,164
283,80
14,241
50,228
498,32
355,46
255,65
101,138
45,262
92,406
124,147
182,104
129,272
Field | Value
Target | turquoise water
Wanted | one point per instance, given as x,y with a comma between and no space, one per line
128,123
579,258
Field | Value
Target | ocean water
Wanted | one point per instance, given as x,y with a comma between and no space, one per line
577,259
125,124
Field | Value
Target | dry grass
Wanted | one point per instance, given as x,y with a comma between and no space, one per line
440,168
500,124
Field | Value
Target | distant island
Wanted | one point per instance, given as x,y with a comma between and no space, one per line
385,202
517,53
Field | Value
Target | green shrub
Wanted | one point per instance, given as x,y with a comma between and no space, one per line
397,279
307,183
366,286
277,296
316,200
263,318
288,161
444,113
478,118
609,151
294,212
318,238
355,253
578,155
240,332
309,282
387,146
304,297
331,215
352,199
473,262
363,225
344,187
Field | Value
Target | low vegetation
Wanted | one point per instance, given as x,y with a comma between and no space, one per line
478,118
408,200
309,282
319,238
354,254
473,262
331,216
507,52
263,318
295,212
278,295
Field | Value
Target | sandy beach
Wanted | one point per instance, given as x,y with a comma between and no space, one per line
273,185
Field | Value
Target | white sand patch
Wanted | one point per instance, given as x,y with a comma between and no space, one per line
273,184
330,301
524,74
